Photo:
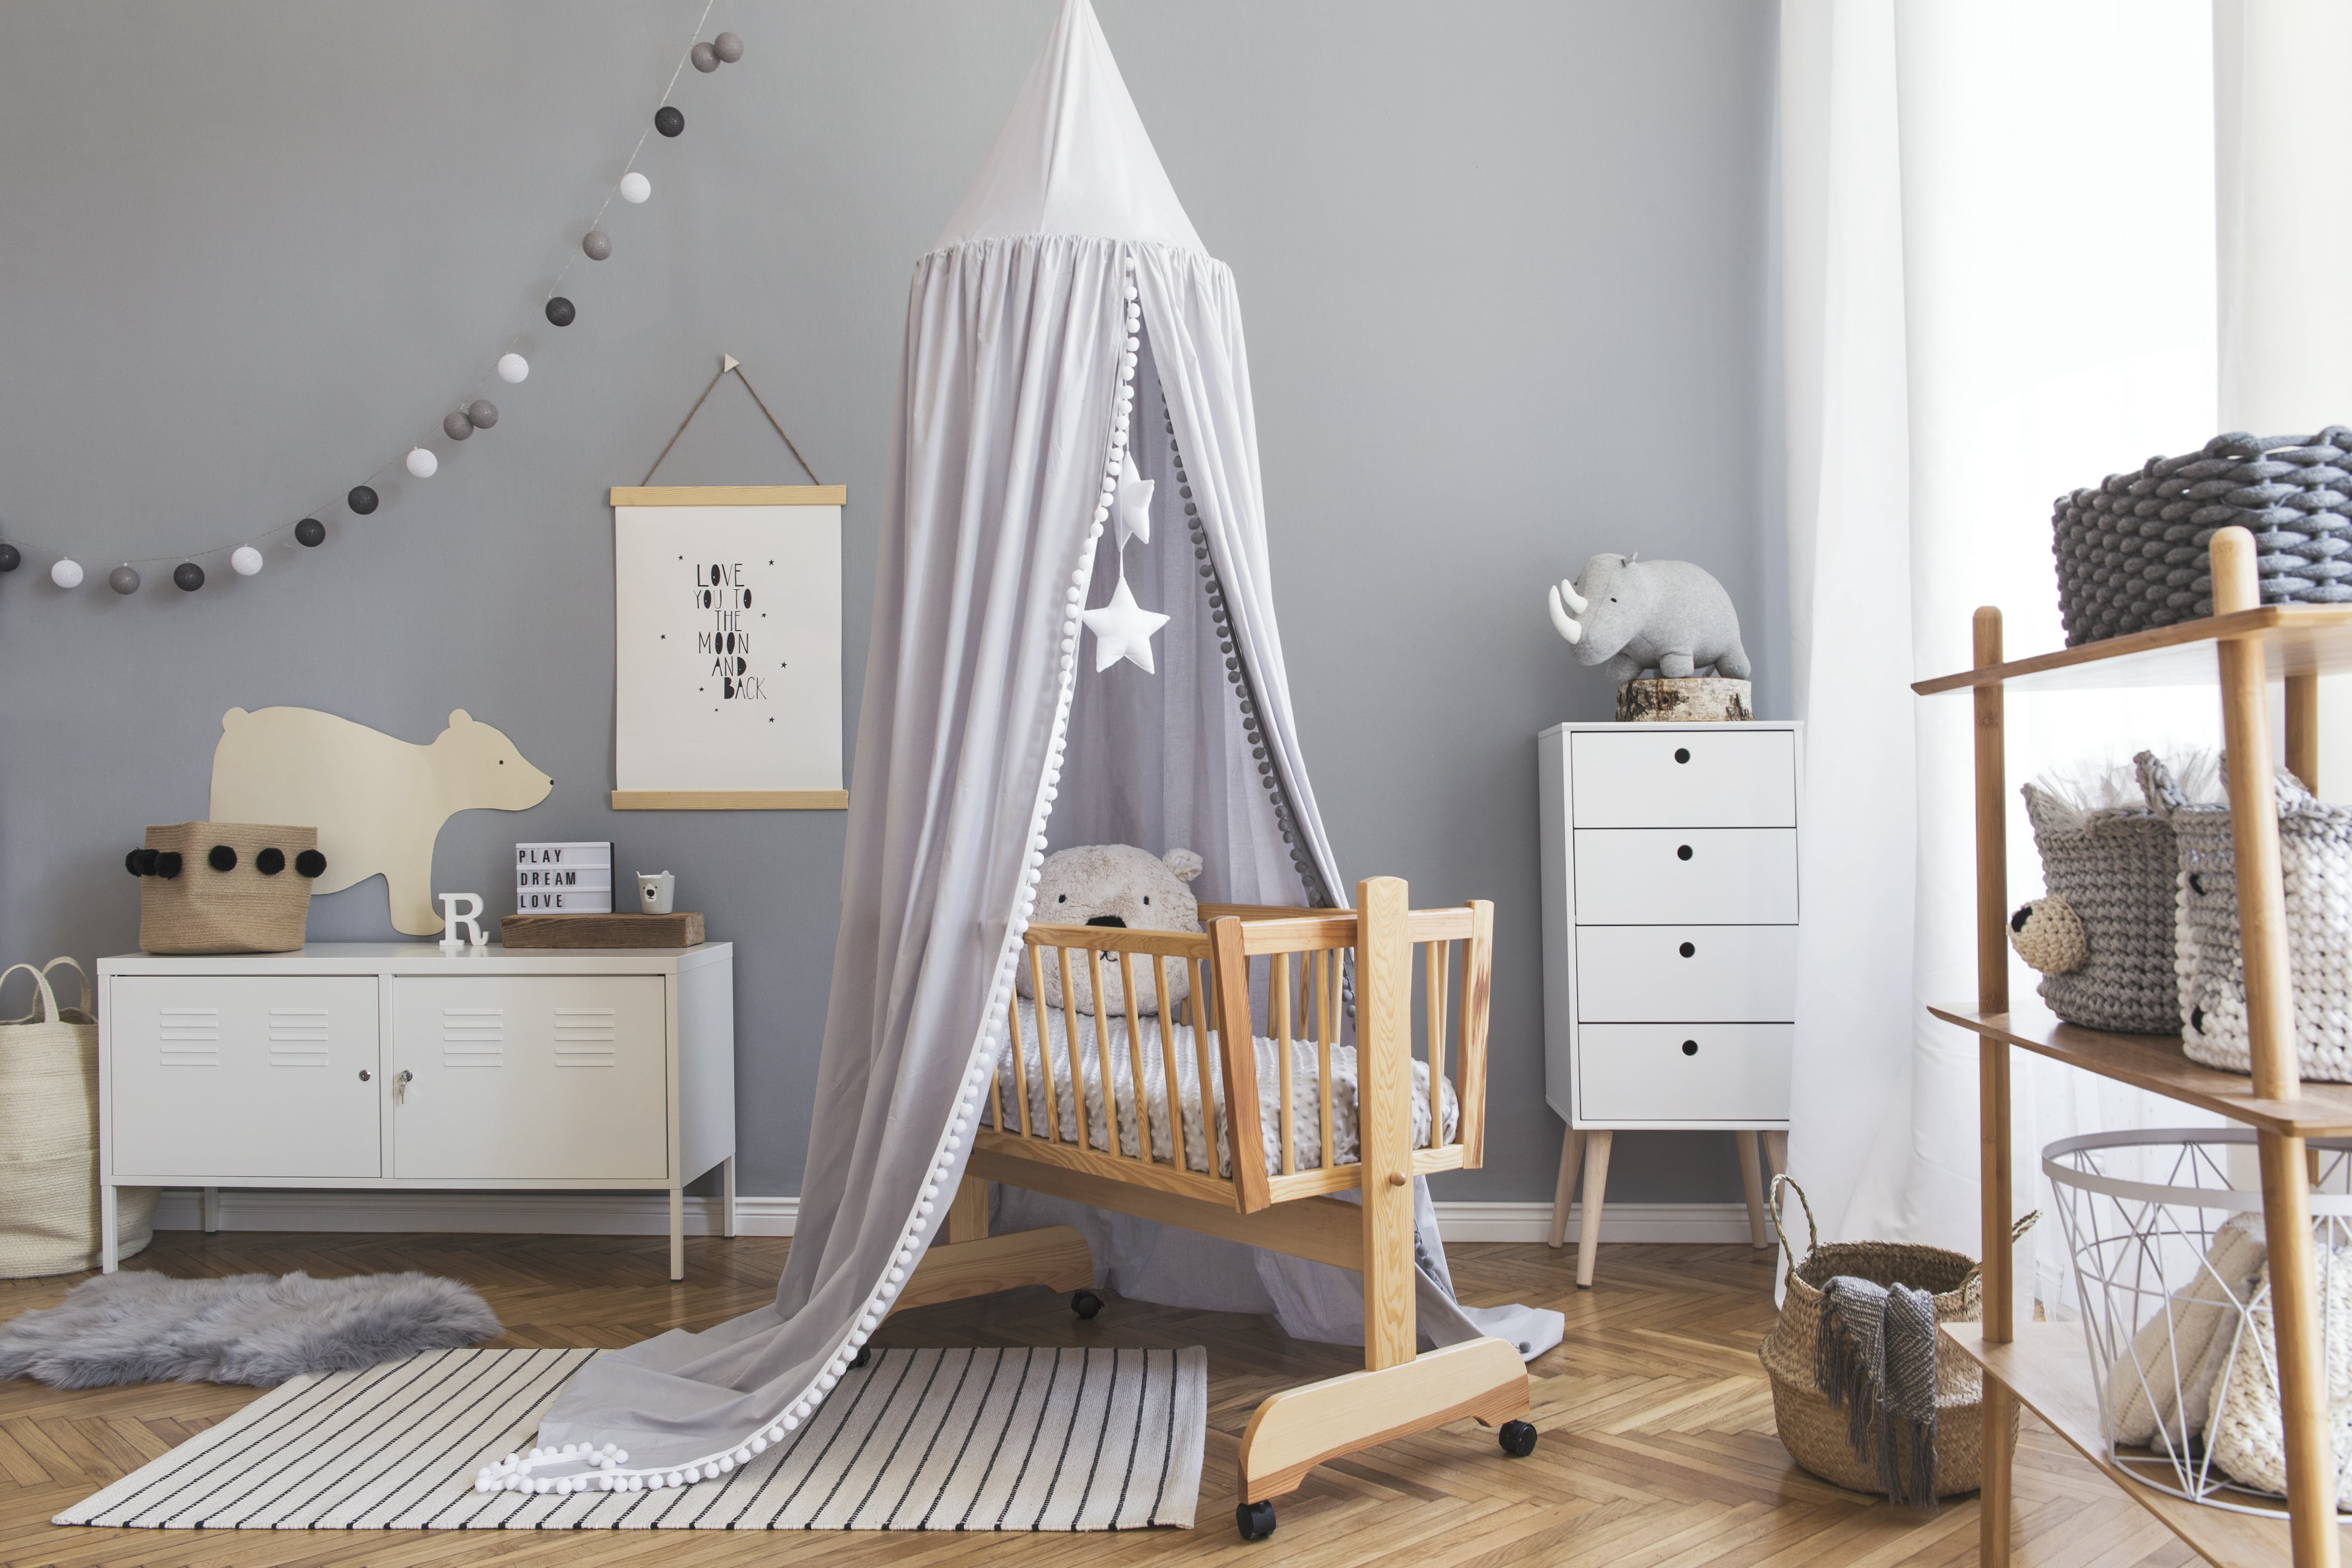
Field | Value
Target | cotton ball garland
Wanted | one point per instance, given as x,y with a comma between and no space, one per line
597,244
635,187
728,48
456,427
481,413
245,560
513,368
561,312
705,59
669,121
66,573
187,576
10,557
123,579
422,463
361,499
310,532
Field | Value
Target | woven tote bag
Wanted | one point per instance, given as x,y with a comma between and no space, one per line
2316,856
1815,1434
48,1140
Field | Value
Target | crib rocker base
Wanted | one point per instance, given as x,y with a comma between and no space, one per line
1300,1428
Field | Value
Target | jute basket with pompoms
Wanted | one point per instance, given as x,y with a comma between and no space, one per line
1815,1434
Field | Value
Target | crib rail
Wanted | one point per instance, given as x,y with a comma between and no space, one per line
1420,979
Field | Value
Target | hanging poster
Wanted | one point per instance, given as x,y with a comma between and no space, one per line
727,647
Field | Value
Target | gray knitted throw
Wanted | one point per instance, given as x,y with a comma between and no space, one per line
1874,1357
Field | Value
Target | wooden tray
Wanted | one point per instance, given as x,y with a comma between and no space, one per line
681,929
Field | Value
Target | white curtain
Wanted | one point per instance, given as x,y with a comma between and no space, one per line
2000,261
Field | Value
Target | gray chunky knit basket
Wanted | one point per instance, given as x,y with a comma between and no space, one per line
2115,868
2315,853
2131,552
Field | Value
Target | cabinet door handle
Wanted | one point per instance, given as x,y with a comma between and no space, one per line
1682,753
1689,950
1681,852
364,1075
1690,1048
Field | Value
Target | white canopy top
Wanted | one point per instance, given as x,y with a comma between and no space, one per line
1073,157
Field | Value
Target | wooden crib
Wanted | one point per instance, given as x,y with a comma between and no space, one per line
1297,960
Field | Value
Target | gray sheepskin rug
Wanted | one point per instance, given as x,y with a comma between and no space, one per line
144,1326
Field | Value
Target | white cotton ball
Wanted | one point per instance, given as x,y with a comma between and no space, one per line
620,1454
759,1443
674,1479
1131,292
1129,345
422,463
825,1381
635,187
725,1462
925,1209
66,574
931,1191
1102,515
790,1422
513,368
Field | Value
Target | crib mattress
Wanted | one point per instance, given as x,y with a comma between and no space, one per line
1306,1152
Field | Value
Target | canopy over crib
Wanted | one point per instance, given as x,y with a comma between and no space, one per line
1057,657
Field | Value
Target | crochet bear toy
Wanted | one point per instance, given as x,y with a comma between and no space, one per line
1124,887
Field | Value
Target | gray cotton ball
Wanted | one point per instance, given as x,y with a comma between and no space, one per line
705,57
456,427
124,580
728,48
597,244
483,413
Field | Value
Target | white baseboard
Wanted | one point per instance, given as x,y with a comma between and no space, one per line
647,1214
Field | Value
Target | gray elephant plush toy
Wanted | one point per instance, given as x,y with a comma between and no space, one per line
1635,615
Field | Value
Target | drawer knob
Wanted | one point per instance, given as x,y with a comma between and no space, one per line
1681,852
1682,753
1690,1048
364,1075
1689,950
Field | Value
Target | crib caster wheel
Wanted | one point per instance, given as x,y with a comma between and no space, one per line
1517,1439
1254,1520
865,1354
1085,1304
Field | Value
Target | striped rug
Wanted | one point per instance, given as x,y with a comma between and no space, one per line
917,1439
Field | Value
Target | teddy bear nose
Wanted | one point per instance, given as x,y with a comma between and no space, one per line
1112,921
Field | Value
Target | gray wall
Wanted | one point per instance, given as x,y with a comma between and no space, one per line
1504,268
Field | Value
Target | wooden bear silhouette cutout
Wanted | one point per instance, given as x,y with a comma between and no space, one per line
377,801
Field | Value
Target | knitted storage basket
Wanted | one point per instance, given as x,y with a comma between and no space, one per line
2131,553
2315,854
2115,868
1815,1434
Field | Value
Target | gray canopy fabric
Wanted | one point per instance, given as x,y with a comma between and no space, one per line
986,736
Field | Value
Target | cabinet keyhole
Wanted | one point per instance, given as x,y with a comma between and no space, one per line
1690,1048
1689,950
1681,852
1682,753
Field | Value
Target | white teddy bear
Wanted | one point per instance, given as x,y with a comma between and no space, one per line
1119,886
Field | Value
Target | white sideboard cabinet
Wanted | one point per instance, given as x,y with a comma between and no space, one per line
390,1065
1670,919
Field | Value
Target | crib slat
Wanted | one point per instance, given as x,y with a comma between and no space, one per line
1135,1059
1044,1045
1167,1063
1327,1007
1440,961
1208,1122
1102,1053
1279,998
1070,1041
1020,1069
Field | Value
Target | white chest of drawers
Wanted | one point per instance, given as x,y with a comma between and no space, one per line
368,1065
1670,936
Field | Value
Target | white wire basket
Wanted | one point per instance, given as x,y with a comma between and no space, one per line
2169,1259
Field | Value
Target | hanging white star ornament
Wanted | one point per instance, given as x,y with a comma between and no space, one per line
1123,630
1134,507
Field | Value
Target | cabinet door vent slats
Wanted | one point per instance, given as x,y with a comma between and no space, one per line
473,1037
188,1036
585,1037
298,1036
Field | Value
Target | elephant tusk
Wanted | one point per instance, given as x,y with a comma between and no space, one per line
1577,603
1560,619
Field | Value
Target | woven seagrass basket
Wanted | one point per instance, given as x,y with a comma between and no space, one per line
1815,1434
2131,552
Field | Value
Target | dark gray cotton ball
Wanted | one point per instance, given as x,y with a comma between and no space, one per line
483,413
728,48
705,57
124,580
597,244
456,427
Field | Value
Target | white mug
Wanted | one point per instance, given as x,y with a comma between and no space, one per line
656,891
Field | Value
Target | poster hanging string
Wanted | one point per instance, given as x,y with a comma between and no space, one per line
726,364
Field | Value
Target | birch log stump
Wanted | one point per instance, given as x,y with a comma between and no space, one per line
1697,698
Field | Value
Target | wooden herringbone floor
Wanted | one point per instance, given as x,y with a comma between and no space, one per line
1657,1446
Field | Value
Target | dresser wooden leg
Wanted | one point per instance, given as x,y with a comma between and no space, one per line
1596,1184
1776,1152
1996,1499
109,1234
677,1233
1571,1154
726,1197
210,1207
1751,1180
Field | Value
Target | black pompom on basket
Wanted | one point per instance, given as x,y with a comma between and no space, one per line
2131,553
